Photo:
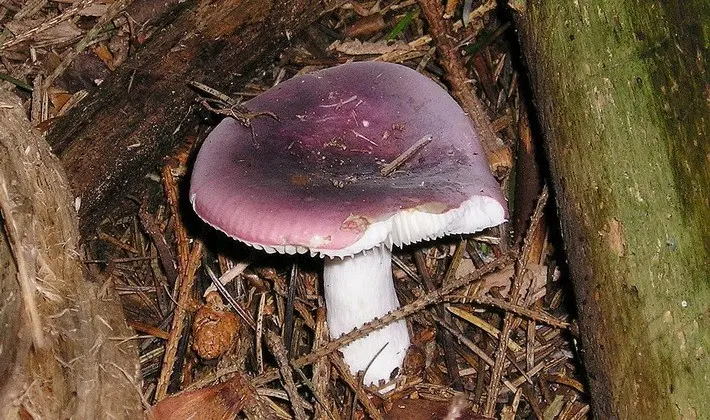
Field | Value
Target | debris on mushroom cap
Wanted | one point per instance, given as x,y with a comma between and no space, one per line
311,180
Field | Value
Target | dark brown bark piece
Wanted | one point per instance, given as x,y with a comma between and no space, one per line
528,180
144,109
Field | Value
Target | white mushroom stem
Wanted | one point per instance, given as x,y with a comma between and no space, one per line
359,289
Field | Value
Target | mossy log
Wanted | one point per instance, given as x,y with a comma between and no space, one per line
622,89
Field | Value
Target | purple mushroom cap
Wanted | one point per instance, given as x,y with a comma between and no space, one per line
311,181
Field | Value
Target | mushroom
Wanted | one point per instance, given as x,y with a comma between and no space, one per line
312,182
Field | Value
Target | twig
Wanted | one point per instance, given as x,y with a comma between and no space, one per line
478,322
161,244
228,274
465,341
254,407
203,88
321,367
450,355
389,168
581,413
526,376
408,271
322,402
279,351
356,386
409,309
66,15
120,260
530,344
187,279
116,242
539,316
171,193
452,368
289,315
455,73
239,112
497,371
228,106
149,329
564,380
39,111
28,9
483,357
259,333
229,298
394,316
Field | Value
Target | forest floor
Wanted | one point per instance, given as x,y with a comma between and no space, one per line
156,252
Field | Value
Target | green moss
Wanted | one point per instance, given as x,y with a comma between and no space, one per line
622,92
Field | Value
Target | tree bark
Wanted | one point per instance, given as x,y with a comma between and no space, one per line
622,89
66,348
144,109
